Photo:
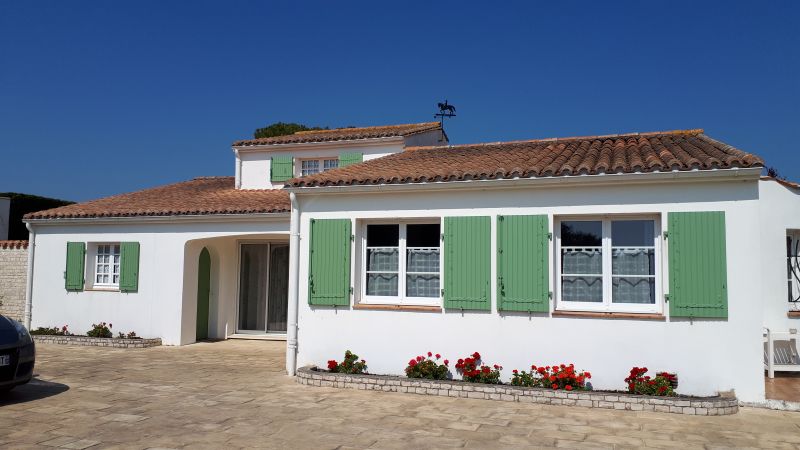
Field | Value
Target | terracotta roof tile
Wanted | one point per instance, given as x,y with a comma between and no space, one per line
13,244
200,196
623,153
344,134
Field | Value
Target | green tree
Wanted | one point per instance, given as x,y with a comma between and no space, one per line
282,129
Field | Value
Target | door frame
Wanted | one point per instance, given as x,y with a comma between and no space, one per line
239,244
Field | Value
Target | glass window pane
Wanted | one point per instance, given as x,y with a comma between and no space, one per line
632,233
581,233
383,235
330,164
582,289
633,261
422,260
383,259
633,290
382,284
422,235
422,285
309,167
576,261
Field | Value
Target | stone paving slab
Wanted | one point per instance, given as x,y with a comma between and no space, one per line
234,394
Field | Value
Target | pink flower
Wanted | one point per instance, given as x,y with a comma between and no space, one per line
430,354
446,362
438,356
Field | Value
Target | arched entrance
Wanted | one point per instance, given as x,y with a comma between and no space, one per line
203,292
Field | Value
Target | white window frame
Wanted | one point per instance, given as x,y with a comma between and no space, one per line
94,254
793,286
401,298
320,164
606,305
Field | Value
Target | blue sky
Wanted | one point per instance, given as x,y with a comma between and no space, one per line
98,98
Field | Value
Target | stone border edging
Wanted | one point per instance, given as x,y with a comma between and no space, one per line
713,406
87,341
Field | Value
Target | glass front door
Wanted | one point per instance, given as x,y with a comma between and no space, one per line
263,288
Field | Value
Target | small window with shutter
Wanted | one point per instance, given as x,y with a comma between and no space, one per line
113,266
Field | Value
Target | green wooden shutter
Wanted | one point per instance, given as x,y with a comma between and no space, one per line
329,262
76,258
523,244
698,284
129,266
345,159
467,261
280,168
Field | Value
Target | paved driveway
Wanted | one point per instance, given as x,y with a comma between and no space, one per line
234,394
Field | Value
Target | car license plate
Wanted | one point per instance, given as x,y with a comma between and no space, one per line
5,360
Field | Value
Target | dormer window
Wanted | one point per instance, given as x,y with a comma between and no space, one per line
312,166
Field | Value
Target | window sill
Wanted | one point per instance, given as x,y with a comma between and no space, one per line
99,289
609,315
793,314
397,308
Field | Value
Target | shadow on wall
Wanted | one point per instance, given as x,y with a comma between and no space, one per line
34,390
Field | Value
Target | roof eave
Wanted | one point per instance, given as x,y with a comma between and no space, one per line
319,144
736,173
180,218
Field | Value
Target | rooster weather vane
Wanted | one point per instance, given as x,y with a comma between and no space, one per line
445,110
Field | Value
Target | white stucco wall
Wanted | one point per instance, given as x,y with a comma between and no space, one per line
165,304
779,211
708,355
255,166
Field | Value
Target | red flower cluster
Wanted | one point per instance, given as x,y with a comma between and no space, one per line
350,364
472,370
557,376
421,367
639,383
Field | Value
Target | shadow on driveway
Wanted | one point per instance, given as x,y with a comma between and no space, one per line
33,390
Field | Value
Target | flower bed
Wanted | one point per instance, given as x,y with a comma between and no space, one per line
710,406
96,341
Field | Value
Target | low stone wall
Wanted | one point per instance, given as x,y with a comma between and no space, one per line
97,342
13,278
712,406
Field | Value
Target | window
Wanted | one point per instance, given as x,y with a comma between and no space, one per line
312,166
793,269
106,265
401,263
608,265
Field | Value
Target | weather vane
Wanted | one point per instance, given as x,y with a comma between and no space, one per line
445,110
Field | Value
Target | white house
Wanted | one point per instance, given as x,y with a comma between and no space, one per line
666,250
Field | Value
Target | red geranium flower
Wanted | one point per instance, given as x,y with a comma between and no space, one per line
332,364
430,354
555,386
476,355
438,356
568,387
446,362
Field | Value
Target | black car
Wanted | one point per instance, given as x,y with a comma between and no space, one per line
17,354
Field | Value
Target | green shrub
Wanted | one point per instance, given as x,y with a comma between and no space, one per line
100,330
55,331
350,364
